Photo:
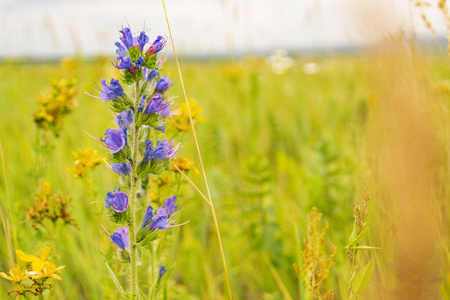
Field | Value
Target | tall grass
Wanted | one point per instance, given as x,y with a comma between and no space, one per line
275,146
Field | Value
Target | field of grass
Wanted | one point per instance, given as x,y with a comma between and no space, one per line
273,146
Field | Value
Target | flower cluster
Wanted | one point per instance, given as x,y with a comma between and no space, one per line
153,221
55,104
51,208
180,117
33,280
84,160
141,105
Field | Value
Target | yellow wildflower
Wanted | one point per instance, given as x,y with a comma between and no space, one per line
183,164
55,104
39,267
84,160
17,275
34,263
46,188
180,118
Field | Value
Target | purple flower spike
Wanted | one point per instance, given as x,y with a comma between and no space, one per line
127,37
120,238
120,202
164,150
156,104
121,168
115,140
125,63
111,91
147,217
142,40
163,84
159,43
168,207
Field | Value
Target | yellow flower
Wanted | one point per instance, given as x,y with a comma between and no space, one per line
46,188
40,266
17,275
183,164
84,160
48,272
180,118
34,263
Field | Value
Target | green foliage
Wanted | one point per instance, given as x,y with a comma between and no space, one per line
273,146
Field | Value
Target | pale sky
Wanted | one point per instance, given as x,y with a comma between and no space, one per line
56,28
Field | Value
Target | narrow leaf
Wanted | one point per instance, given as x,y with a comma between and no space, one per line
364,248
362,279
117,283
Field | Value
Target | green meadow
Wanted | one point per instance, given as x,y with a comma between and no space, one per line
274,146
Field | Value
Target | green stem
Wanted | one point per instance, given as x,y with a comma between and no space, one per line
134,180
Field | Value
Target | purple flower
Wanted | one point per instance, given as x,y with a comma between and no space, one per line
160,128
139,62
121,49
168,207
159,43
156,104
121,168
148,152
109,92
148,216
109,199
150,74
124,119
118,201
162,271
115,140
164,150
160,222
120,238
142,40
141,105
127,37
125,62
166,112
163,84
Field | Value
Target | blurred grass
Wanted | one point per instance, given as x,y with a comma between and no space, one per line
273,146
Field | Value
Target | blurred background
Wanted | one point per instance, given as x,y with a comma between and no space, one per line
306,104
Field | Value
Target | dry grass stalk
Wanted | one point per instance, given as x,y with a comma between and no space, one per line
316,263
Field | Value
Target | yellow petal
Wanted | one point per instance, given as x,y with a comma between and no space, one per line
55,276
6,276
23,257
38,265
45,251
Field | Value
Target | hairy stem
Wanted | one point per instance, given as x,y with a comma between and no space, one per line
134,145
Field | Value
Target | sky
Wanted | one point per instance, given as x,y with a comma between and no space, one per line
43,29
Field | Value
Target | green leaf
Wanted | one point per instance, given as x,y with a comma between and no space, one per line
362,279
122,292
353,234
355,240
153,289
